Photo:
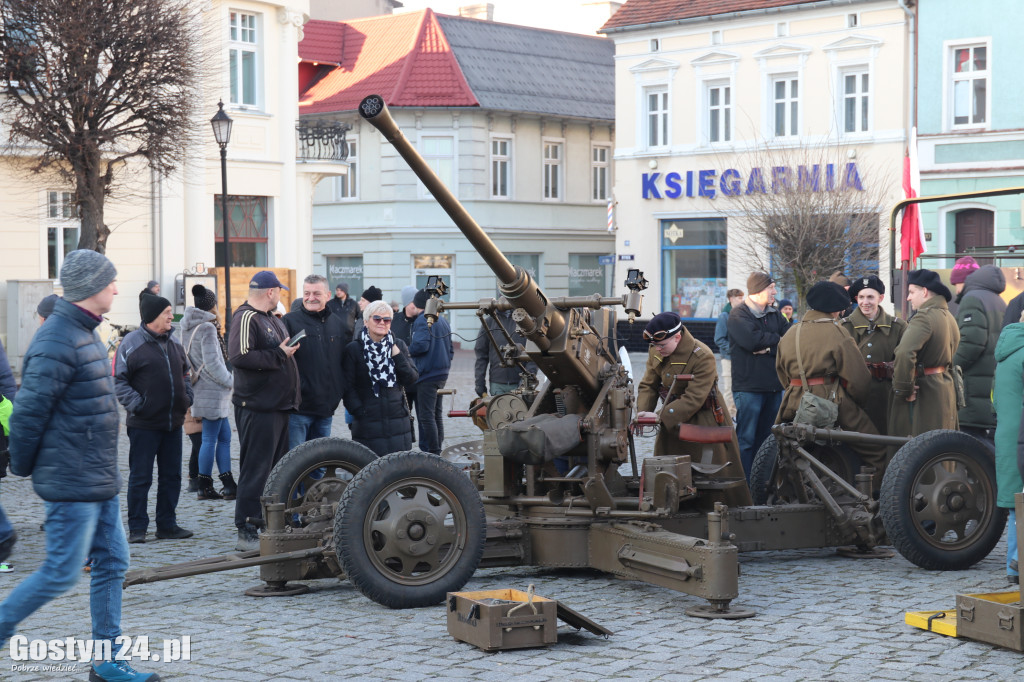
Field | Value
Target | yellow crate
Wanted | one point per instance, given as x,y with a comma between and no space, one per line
942,622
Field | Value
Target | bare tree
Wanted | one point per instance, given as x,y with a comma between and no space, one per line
807,213
92,84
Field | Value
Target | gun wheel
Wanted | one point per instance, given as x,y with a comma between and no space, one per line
938,501
314,474
772,482
409,529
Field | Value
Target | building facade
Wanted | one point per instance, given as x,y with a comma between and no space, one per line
516,121
970,118
715,103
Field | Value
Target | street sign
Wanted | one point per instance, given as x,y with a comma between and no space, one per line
626,256
606,260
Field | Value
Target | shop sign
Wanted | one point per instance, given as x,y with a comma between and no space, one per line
730,183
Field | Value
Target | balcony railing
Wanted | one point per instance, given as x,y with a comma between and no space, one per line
322,140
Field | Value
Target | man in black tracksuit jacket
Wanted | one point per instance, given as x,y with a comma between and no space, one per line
755,328
266,390
152,384
319,362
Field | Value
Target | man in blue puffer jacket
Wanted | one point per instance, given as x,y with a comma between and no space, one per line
64,434
431,350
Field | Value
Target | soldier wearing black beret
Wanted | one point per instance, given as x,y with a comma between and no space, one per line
876,333
816,355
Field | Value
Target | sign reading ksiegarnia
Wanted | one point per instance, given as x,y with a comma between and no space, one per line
123,648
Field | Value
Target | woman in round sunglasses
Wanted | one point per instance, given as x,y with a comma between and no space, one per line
377,371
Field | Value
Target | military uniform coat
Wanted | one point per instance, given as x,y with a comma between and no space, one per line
877,342
690,357
828,351
930,340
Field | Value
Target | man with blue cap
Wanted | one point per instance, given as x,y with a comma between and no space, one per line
266,390
698,401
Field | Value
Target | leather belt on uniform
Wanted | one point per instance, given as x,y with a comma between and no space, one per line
814,381
925,371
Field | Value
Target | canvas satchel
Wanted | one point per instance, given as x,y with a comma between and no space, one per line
821,413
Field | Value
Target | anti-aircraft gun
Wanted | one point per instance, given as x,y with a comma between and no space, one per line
409,527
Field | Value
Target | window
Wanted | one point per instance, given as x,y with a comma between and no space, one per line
439,153
243,50
785,112
62,230
852,20
587,276
716,37
345,269
527,261
694,262
552,170
348,184
970,85
501,166
247,225
781,29
719,112
655,44
600,169
657,117
855,101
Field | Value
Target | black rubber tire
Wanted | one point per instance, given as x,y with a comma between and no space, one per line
765,488
930,474
762,470
385,506
291,478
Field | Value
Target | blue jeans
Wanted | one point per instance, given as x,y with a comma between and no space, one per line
303,427
5,525
216,439
74,531
1011,543
755,415
165,448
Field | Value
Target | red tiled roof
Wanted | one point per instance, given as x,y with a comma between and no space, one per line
640,12
403,57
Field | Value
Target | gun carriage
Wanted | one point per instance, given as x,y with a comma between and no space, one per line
409,527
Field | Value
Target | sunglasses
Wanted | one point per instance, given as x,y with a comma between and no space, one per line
378,318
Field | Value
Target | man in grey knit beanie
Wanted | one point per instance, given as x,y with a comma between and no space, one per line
85,273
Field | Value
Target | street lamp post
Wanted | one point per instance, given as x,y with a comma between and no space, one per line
221,123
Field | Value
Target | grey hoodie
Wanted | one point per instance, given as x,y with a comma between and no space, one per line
212,393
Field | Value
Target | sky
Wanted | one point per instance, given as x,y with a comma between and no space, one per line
559,15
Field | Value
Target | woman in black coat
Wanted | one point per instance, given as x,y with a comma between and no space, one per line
378,371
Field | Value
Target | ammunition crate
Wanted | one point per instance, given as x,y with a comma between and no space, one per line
482,619
994,617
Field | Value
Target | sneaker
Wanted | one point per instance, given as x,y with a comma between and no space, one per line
174,533
6,567
119,671
136,537
248,539
7,546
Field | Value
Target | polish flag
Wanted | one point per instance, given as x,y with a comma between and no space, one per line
911,230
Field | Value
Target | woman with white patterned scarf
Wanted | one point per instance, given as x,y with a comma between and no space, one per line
378,370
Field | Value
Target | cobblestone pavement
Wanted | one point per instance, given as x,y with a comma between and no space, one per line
819,616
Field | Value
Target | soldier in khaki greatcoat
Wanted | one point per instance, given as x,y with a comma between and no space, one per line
924,395
876,333
832,365
675,351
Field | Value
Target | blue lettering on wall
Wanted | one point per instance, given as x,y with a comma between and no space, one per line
852,179
830,177
649,182
780,179
689,183
672,187
707,183
755,183
808,180
730,182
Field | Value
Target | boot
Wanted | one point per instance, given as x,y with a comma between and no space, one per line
206,491
230,487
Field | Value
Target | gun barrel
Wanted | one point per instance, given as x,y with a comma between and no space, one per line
375,111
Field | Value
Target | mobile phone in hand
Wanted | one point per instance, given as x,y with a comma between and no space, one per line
295,339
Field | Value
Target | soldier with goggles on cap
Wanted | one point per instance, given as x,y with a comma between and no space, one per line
696,401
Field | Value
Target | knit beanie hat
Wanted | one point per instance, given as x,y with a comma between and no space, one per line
85,273
205,299
373,294
343,286
45,307
963,267
151,305
408,293
420,299
758,282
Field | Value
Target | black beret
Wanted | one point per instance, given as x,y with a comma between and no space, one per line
151,306
929,279
869,282
419,299
664,322
828,297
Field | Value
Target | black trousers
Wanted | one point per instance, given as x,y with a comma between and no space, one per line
263,440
